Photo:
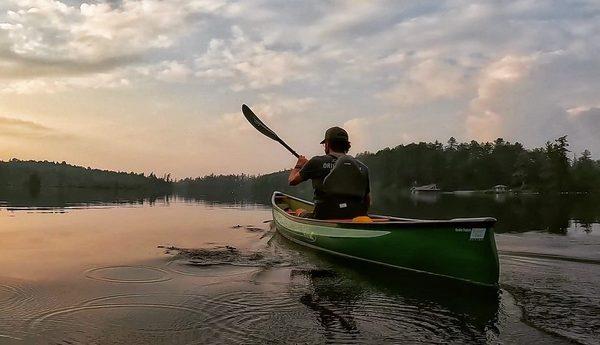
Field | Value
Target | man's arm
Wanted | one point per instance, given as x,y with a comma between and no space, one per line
295,177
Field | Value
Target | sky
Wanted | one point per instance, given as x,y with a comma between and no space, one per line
157,86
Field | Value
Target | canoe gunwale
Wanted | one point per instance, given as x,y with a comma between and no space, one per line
394,222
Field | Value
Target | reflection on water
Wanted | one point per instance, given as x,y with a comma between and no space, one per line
58,199
515,213
77,274
425,197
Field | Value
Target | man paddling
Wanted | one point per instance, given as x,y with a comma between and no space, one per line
340,182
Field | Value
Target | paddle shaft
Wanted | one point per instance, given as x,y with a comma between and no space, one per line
287,147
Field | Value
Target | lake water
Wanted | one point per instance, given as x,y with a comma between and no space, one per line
78,269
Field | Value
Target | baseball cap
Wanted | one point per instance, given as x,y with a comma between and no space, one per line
335,133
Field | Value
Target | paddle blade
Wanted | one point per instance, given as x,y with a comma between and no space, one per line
261,127
257,123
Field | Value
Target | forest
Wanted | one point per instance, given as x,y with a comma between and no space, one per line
35,176
452,166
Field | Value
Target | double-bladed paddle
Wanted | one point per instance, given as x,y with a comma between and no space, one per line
261,127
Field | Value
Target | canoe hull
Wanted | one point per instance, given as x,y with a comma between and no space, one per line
462,249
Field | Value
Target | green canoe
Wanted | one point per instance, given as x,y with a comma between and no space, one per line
462,249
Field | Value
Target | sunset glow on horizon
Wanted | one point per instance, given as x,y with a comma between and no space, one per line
157,86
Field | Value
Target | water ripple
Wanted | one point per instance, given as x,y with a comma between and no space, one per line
240,317
128,274
310,315
13,296
558,296
147,318
184,267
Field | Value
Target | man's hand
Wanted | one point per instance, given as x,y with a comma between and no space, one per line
295,177
301,162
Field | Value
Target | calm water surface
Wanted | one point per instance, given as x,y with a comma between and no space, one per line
77,270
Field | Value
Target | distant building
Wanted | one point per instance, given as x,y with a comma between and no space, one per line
500,189
427,188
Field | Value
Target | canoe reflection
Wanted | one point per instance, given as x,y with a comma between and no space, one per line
365,299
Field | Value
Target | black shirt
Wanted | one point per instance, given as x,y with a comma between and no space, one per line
316,169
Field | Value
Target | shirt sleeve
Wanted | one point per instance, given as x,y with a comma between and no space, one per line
310,169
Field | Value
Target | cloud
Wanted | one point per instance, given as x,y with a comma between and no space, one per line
375,132
57,84
249,63
497,86
536,98
428,80
11,127
49,37
168,71
173,72
587,124
273,105
390,71
358,133
272,109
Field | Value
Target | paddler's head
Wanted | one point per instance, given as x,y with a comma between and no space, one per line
336,140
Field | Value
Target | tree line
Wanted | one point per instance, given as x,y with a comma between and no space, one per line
452,166
36,175
480,166
239,187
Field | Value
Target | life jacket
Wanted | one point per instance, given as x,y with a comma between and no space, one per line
347,179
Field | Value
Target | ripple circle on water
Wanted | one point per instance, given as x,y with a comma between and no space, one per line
122,319
128,274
